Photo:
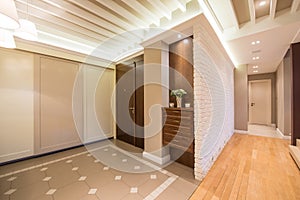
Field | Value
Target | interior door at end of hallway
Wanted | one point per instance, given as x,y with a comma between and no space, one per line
260,102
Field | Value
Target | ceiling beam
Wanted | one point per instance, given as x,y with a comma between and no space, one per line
295,6
252,11
143,11
273,4
96,10
41,14
87,16
158,5
60,13
123,12
235,20
181,5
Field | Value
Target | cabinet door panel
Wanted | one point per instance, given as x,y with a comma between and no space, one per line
57,126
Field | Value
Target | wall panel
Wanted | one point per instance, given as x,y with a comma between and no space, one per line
57,126
16,104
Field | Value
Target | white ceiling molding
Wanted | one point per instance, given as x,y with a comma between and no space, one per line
295,6
252,11
273,4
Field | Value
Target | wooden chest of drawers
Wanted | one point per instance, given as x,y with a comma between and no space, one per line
178,133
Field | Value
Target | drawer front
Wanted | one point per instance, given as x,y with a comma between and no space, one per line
180,142
178,125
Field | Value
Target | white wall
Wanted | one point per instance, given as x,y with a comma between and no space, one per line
213,97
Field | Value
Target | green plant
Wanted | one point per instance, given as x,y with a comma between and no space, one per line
178,92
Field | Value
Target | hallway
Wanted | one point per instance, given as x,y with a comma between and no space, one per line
252,167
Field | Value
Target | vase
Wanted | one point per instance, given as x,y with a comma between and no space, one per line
178,101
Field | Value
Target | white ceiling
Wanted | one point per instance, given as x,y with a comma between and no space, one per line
276,25
112,29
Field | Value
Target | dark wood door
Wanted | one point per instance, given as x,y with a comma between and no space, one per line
130,103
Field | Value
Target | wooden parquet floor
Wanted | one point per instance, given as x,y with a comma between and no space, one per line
252,167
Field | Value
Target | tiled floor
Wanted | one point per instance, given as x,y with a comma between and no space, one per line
105,171
263,130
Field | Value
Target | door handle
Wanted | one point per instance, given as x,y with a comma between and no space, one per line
252,104
132,109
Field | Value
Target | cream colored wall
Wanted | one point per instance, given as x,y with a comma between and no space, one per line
16,104
280,97
241,98
156,96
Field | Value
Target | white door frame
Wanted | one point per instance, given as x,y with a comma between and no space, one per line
269,110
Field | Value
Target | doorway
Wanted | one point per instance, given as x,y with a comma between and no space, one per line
130,115
260,102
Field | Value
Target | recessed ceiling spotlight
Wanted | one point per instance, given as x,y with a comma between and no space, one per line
255,67
255,58
179,36
255,42
255,71
262,3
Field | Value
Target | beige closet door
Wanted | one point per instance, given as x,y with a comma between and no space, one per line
260,102
57,126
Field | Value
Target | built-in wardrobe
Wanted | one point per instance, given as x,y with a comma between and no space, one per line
49,103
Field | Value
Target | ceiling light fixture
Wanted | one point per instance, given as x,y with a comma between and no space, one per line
255,58
27,29
179,36
255,71
7,39
262,3
255,67
8,15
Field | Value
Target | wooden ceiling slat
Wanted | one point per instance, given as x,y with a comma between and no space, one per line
58,12
88,16
143,10
112,5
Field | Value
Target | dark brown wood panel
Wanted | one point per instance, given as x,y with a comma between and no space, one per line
181,60
178,134
295,49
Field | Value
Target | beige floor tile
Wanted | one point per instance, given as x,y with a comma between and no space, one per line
60,180
31,192
4,185
27,178
113,191
183,186
89,197
149,186
74,191
100,179
133,197
135,180
171,194
4,197
90,168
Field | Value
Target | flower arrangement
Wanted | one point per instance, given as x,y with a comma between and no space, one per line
178,93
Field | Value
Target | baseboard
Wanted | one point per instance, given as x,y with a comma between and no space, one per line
241,131
287,137
157,159
295,153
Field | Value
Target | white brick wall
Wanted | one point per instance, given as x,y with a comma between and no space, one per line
213,97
